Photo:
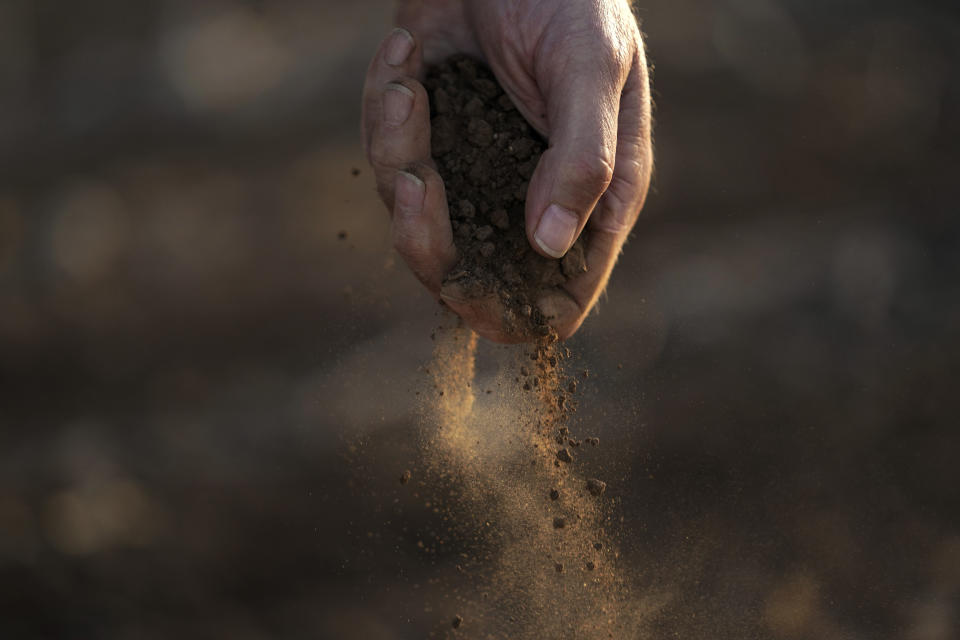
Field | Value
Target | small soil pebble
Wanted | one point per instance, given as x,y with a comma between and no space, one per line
405,477
564,456
354,172
554,494
574,263
559,567
598,546
457,621
484,232
590,565
594,441
596,487
559,522
572,387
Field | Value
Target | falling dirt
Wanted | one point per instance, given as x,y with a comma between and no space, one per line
537,541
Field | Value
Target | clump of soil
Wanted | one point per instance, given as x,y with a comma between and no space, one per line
486,154
596,487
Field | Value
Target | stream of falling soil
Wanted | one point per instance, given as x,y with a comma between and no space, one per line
542,559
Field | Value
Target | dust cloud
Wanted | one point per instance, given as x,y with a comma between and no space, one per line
537,541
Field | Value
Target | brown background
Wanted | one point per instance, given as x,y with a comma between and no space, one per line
187,348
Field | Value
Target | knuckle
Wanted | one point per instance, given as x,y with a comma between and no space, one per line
379,153
614,51
614,59
592,172
409,244
385,189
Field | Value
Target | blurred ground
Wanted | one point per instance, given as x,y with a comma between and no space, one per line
188,348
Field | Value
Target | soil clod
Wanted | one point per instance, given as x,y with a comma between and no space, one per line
596,487
564,456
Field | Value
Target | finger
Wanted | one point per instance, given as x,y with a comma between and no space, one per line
620,206
618,209
398,56
401,135
421,225
583,99
621,203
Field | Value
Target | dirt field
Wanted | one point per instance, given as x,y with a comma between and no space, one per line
210,359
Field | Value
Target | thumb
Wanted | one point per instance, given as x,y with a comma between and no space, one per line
583,100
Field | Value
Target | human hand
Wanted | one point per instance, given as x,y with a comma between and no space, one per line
577,72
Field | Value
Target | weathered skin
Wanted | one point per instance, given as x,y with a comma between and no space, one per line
577,72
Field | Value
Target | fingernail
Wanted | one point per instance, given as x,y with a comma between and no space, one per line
557,230
397,104
399,48
409,191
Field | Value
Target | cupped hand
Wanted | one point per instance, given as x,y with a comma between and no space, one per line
578,74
